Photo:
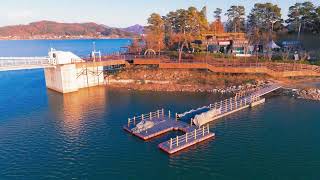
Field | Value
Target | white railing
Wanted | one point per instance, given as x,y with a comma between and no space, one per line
241,99
24,61
189,136
23,58
148,116
230,105
159,114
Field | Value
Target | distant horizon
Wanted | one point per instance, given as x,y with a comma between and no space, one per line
44,20
120,14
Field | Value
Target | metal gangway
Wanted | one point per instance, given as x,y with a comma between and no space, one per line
217,110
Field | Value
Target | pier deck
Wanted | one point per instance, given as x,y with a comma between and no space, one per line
191,138
166,123
163,125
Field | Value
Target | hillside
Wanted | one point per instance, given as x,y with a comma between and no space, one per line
136,29
55,30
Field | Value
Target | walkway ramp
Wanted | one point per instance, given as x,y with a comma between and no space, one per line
233,104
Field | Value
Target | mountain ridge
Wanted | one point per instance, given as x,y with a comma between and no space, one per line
56,30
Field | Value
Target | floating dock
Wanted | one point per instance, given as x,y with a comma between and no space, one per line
191,138
162,123
153,124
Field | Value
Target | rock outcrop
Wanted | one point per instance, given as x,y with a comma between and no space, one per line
311,94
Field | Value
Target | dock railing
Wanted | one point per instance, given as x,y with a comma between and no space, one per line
234,103
161,113
188,137
240,101
148,116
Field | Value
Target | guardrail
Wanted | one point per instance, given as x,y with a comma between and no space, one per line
234,103
231,105
23,61
152,115
278,67
213,62
189,136
242,100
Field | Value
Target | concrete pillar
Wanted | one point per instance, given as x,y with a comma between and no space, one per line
62,78
66,78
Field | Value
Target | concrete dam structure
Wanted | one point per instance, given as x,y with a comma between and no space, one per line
65,76
64,71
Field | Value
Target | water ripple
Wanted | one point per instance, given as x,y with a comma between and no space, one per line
80,136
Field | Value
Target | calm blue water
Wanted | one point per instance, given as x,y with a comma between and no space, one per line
79,47
46,135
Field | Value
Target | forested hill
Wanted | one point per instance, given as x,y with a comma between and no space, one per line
55,30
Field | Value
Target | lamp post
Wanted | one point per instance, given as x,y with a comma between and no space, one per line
300,25
273,21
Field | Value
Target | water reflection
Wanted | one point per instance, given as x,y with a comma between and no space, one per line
75,110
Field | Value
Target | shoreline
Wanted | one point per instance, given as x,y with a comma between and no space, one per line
142,78
312,94
181,88
168,80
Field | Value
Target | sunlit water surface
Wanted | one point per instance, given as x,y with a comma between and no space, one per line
47,135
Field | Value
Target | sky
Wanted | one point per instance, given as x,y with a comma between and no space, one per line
114,13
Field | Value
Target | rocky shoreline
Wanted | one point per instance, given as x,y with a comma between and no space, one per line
310,94
144,78
168,86
306,93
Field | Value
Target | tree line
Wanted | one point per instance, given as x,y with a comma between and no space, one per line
179,28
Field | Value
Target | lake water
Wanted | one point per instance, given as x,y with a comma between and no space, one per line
47,135
79,47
